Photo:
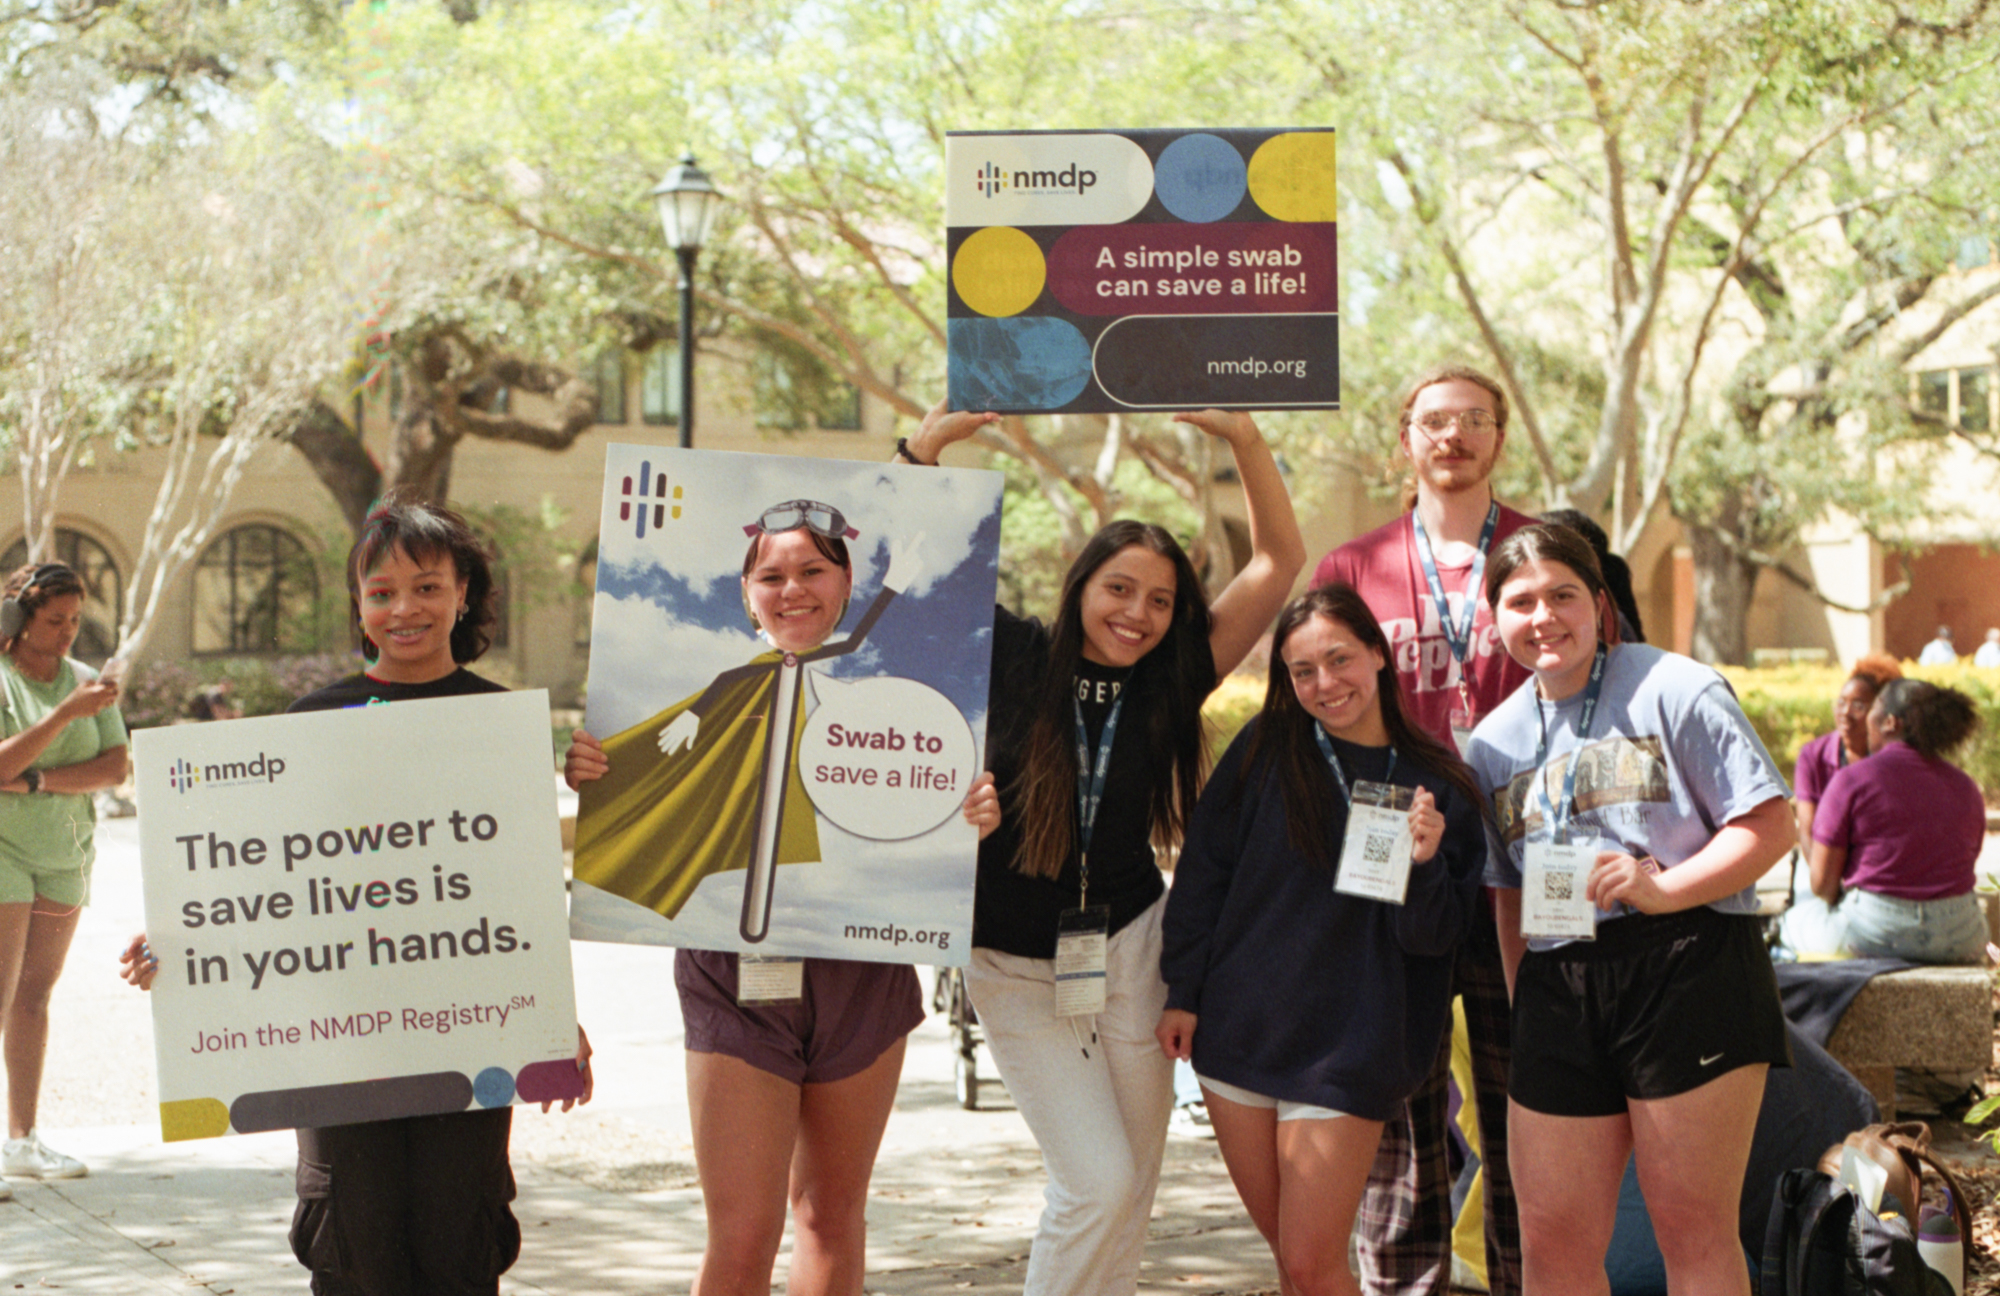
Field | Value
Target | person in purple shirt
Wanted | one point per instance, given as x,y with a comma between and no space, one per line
1821,758
1896,836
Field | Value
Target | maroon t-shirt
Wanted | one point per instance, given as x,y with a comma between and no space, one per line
1384,569
1912,824
1819,761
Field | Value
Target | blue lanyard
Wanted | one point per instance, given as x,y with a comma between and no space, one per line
1339,774
1457,637
1091,771
1559,812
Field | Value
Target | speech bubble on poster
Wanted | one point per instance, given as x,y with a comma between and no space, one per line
349,927
886,759
1226,266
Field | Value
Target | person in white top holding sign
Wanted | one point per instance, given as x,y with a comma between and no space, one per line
1636,809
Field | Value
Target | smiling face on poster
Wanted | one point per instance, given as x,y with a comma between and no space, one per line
349,927
788,671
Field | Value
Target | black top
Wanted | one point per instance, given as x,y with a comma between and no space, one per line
1303,993
1013,912
364,690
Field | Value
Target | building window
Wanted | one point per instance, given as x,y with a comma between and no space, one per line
789,401
1975,399
256,591
660,386
104,589
608,372
1959,397
1934,392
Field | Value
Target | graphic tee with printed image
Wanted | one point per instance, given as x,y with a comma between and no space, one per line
1669,760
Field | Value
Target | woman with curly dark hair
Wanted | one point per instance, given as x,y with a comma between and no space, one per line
61,739
1897,835
415,1204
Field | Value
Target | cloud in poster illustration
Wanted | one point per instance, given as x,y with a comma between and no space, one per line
645,653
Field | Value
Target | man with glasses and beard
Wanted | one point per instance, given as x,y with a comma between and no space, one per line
1422,576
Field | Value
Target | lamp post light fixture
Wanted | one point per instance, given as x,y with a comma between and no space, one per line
687,202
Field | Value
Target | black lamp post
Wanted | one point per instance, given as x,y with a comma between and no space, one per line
687,203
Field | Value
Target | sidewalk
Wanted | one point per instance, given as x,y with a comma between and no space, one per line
608,1201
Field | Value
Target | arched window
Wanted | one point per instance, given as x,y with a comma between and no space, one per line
104,588
256,591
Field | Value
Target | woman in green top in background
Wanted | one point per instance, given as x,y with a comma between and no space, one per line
61,739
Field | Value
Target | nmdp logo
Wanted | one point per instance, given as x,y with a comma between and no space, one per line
183,777
650,497
990,180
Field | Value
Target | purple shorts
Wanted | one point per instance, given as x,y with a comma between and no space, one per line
850,1013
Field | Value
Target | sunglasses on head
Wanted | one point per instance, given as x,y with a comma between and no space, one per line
820,519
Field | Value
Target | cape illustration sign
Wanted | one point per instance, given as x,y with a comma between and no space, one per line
788,672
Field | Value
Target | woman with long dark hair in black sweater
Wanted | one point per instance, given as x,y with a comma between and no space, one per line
1095,740
1311,1011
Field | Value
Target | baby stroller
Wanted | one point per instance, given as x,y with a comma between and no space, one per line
948,996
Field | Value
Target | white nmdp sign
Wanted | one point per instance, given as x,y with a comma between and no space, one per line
358,915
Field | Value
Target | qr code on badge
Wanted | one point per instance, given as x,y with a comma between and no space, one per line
1556,886
1375,849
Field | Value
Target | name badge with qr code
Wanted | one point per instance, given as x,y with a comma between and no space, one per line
1083,937
1553,903
762,978
1375,853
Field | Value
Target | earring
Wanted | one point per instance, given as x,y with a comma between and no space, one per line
462,609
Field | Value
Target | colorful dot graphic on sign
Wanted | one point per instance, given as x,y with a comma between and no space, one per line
493,1087
999,271
1291,176
1034,363
193,1118
1200,178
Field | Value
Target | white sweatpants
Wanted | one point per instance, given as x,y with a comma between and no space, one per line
1101,1120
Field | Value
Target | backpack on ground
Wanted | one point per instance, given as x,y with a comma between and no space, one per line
1821,1241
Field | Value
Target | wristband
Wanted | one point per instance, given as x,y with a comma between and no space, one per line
33,778
903,449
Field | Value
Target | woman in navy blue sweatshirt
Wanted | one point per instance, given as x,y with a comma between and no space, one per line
1310,1012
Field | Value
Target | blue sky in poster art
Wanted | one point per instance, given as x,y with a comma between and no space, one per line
669,616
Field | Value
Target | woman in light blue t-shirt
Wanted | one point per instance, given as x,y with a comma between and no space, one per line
61,739
1636,809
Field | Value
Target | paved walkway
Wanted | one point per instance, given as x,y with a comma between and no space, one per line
607,1200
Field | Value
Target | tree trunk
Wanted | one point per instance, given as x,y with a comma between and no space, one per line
338,458
1722,586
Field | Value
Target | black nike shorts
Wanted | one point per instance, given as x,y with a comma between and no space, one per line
1657,1005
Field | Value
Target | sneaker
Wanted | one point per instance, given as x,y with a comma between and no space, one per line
6,1193
29,1158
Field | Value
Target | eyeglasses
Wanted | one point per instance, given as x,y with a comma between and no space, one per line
820,519
1474,422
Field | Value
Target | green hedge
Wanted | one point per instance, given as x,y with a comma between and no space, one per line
1792,704
1789,705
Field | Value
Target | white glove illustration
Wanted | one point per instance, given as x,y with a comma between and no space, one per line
680,733
905,563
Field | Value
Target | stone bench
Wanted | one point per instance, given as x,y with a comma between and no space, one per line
1937,1019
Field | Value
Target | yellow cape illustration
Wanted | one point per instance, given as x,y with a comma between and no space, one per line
653,827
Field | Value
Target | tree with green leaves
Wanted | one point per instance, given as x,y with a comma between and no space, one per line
1653,214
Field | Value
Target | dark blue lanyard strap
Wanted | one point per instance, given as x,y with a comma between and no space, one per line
1091,767
1559,811
1339,774
1458,637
